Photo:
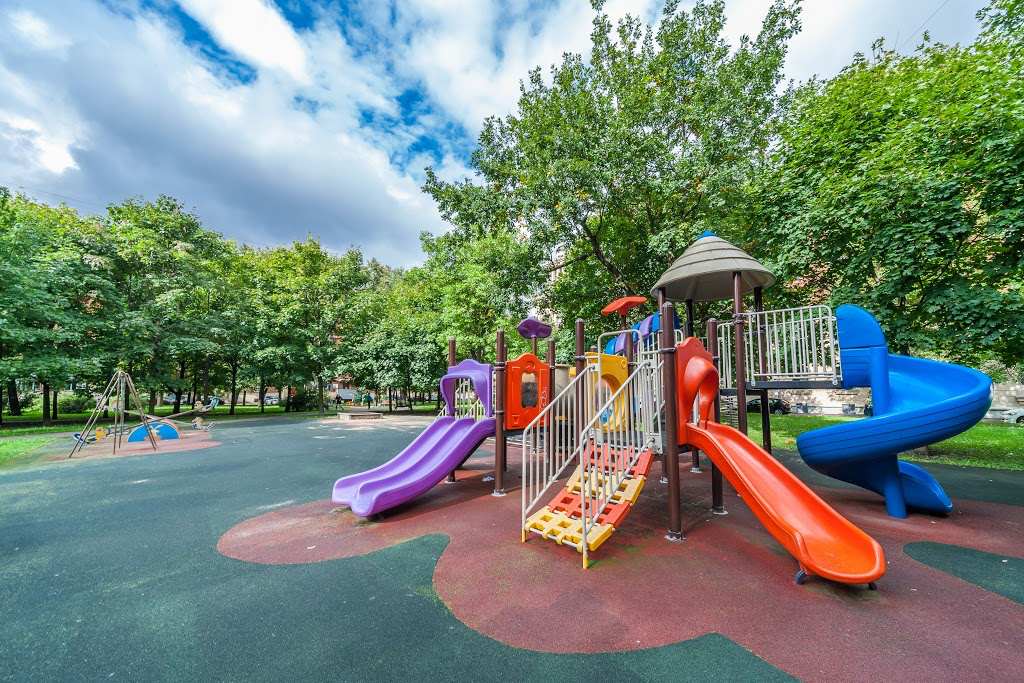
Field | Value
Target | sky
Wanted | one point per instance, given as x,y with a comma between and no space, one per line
272,119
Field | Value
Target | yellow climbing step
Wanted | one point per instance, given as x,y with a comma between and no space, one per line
565,530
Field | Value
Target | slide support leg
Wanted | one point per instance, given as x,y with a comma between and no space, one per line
895,503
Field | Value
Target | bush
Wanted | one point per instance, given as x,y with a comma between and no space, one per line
74,402
28,402
304,400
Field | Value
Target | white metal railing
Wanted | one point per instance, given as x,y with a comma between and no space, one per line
792,344
552,440
650,364
613,448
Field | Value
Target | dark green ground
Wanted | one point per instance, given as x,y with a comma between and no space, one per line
109,571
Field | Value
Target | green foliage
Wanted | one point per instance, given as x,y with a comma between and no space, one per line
69,402
613,165
898,186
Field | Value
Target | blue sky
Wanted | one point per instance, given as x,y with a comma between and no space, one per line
272,119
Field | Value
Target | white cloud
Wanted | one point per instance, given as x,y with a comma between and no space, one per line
37,32
102,104
253,30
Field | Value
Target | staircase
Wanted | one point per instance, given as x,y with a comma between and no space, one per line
614,456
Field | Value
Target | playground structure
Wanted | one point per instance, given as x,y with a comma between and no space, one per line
122,390
655,389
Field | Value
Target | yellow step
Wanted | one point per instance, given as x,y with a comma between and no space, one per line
565,530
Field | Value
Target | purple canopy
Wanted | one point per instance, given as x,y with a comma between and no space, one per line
531,328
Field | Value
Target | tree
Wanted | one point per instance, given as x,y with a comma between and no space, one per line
165,267
897,185
616,164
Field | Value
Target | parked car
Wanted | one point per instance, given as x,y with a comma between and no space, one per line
270,400
1014,415
775,405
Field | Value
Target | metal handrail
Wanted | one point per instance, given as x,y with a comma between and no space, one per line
620,445
551,440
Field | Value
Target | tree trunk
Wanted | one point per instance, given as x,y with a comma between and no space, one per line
46,403
320,395
263,394
206,380
152,401
12,398
234,387
178,391
195,386
106,409
391,402
245,396
287,400
54,407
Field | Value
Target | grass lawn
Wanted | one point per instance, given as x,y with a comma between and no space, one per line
17,448
76,421
988,444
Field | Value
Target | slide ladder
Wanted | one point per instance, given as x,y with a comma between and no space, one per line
614,456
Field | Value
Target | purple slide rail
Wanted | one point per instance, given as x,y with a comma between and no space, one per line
436,451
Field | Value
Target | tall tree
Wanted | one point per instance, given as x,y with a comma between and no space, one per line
613,165
897,185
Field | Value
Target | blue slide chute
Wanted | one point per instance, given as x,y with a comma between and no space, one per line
916,402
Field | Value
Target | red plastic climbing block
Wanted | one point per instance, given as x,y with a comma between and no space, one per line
643,466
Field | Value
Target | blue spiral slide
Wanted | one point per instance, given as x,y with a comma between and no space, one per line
916,402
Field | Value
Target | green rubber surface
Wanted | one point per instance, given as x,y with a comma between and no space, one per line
998,573
109,571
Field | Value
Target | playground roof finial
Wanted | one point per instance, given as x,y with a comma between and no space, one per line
704,272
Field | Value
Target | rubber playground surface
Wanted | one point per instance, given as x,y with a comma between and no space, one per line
228,562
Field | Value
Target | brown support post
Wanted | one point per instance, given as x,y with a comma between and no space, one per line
741,375
762,368
500,450
717,501
671,461
661,304
533,346
451,362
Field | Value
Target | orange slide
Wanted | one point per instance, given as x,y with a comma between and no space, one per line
824,542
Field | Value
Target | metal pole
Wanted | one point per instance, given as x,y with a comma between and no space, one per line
499,416
766,423
451,363
717,502
624,326
533,346
689,317
551,373
741,375
581,367
671,463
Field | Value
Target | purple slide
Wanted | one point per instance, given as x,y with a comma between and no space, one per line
438,450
